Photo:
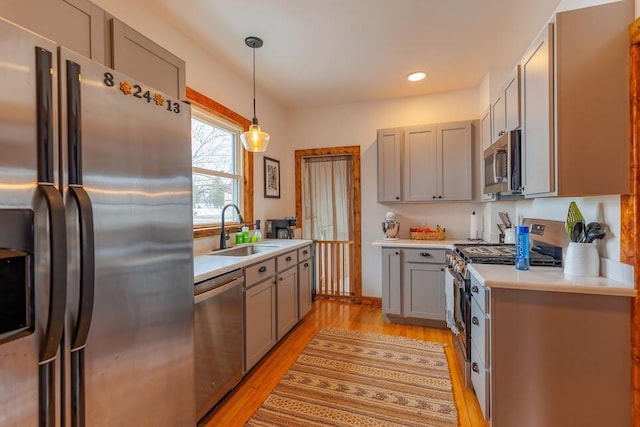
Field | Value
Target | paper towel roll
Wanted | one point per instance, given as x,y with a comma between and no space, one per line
474,226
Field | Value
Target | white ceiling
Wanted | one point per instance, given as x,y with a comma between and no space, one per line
327,52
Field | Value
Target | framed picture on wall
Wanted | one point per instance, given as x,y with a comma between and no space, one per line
271,178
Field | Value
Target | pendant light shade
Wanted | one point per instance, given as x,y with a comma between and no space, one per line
254,140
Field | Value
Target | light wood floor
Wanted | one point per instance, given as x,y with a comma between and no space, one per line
240,404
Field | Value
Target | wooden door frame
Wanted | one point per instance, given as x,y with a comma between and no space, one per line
354,151
630,216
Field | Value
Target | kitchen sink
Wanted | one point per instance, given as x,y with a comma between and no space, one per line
245,250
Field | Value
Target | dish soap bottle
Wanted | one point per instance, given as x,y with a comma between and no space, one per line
245,233
257,234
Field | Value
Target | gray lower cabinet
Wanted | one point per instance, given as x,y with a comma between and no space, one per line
413,284
305,281
260,321
480,345
259,311
287,301
553,359
277,293
391,276
423,286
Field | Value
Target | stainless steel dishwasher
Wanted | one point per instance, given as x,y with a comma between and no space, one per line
219,342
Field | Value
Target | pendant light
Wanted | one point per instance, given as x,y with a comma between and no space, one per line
254,139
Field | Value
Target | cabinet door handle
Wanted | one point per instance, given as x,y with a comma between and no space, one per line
288,259
425,254
281,279
262,269
434,197
475,289
439,197
475,367
397,197
306,264
475,320
305,252
397,253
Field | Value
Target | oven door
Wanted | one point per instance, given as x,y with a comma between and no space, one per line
459,307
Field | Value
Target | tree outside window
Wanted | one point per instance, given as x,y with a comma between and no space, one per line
217,167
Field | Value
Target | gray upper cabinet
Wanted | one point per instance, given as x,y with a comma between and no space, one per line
88,30
537,117
389,164
512,101
497,117
420,163
485,142
75,24
135,55
505,109
425,163
571,124
454,175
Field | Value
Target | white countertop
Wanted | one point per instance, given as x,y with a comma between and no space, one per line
410,243
550,279
207,266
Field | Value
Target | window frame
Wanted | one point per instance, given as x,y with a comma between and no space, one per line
216,109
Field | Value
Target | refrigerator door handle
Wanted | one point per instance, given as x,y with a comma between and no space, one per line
58,273
44,100
87,267
57,302
85,208
74,120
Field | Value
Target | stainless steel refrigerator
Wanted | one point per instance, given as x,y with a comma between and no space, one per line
96,272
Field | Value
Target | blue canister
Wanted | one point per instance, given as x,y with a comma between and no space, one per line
522,247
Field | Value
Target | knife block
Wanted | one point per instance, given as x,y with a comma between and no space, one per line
582,259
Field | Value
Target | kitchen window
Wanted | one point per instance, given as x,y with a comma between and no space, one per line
217,168
231,169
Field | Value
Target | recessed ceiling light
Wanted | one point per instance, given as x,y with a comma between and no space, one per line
417,76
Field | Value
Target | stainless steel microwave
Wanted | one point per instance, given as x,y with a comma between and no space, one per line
503,165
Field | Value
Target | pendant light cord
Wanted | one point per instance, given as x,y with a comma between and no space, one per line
255,119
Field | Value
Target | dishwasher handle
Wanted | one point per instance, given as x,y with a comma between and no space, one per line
239,280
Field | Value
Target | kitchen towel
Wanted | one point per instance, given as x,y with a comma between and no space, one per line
449,300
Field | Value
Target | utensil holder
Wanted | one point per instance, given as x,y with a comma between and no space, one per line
582,259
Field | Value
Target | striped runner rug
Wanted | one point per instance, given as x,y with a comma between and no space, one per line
351,378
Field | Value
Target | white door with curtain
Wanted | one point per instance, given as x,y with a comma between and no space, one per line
327,217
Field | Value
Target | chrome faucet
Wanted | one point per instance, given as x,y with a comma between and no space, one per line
224,236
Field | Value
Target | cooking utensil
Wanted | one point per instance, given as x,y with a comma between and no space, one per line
594,234
593,225
509,223
577,232
574,216
505,219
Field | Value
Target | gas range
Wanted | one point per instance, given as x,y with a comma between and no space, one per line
547,241
502,254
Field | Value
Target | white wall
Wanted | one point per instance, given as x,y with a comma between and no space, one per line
356,124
